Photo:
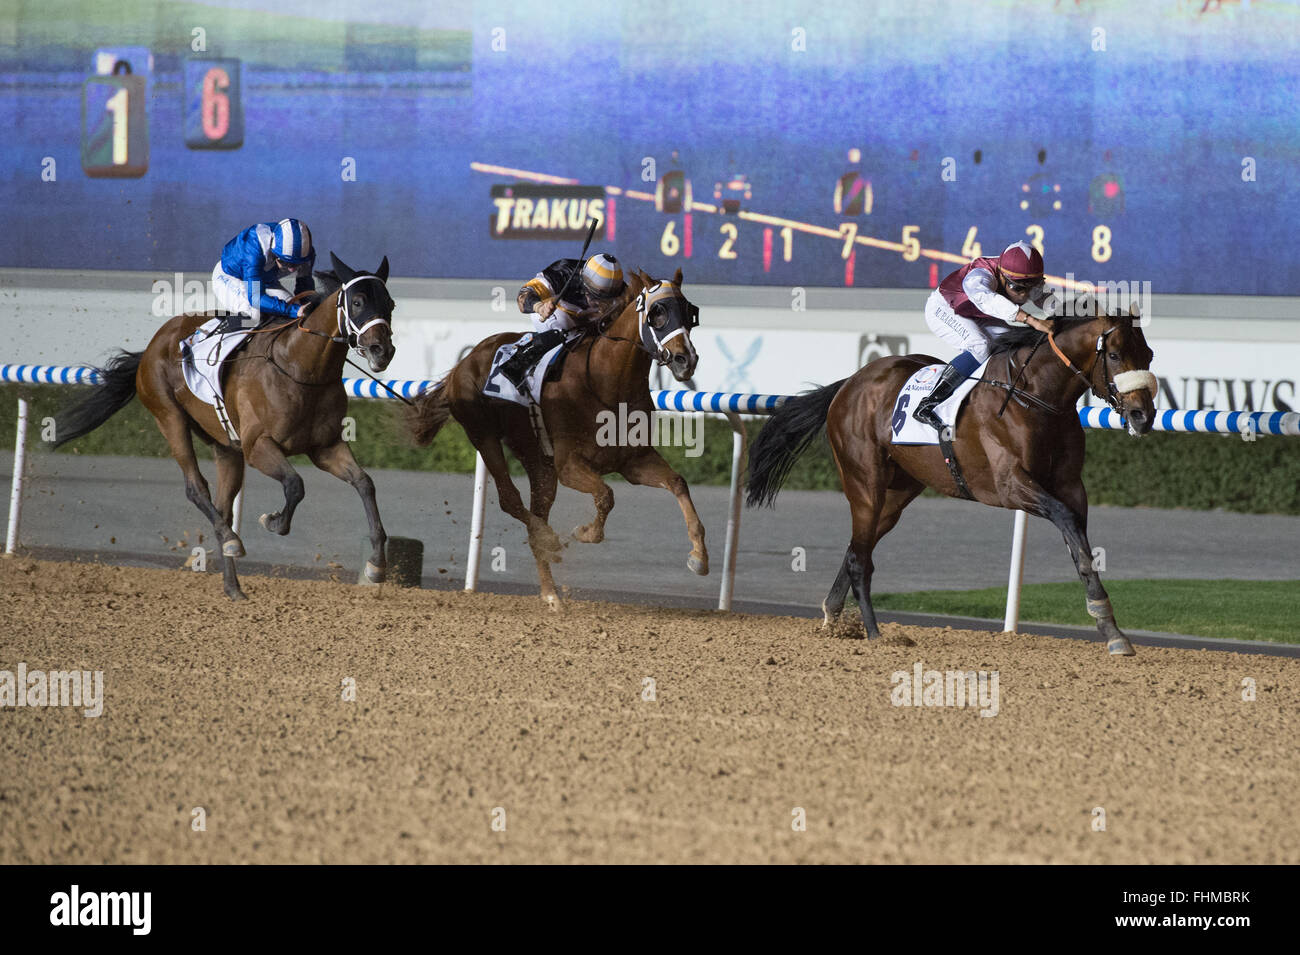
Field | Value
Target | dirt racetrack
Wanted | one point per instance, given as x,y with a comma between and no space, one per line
469,703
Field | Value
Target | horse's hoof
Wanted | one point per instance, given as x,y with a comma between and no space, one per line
274,523
698,565
233,548
236,594
375,574
552,602
1120,647
586,534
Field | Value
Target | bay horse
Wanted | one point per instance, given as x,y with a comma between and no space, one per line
650,321
1028,458
284,393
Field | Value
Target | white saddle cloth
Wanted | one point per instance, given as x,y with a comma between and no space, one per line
202,355
498,386
905,429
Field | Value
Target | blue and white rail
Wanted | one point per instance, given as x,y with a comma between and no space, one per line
731,405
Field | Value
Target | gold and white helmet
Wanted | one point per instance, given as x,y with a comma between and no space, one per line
602,276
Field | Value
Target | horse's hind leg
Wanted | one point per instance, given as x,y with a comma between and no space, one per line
230,479
337,459
650,468
896,499
833,605
267,457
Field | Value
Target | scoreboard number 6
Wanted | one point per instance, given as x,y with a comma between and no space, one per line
215,108
214,115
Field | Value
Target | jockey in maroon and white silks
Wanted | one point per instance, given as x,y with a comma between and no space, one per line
976,304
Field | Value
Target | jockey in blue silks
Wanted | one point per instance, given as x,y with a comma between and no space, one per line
247,280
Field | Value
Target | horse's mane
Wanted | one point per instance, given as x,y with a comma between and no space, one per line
1015,338
1023,335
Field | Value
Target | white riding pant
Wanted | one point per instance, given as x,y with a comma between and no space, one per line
560,321
231,294
965,334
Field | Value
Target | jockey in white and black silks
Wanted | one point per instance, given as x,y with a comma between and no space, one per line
976,304
246,282
561,303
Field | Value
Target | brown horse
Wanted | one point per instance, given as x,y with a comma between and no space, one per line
284,393
1028,458
651,321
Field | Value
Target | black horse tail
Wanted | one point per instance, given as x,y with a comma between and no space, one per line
786,435
431,410
115,389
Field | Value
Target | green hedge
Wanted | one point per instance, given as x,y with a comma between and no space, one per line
1160,470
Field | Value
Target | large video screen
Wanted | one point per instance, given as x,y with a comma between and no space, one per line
769,142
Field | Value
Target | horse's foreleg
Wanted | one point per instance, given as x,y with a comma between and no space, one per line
651,469
230,479
542,540
1072,522
175,428
576,473
337,459
541,485
267,456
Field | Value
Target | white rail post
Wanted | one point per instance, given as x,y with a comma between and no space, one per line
738,441
16,487
1017,575
476,523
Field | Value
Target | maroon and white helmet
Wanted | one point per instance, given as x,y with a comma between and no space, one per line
1021,263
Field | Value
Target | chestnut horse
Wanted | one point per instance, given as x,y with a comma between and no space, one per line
284,392
1028,458
650,321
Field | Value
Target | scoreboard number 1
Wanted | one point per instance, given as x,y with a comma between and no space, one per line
114,125
214,113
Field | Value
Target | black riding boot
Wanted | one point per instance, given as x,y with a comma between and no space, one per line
516,367
948,383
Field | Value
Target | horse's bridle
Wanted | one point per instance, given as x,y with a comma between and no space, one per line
348,330
1137,378
1112,396
645,301
349,333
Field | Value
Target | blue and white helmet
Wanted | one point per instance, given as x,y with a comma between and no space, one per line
291,241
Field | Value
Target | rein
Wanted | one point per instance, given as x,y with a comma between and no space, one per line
349,333
1024,397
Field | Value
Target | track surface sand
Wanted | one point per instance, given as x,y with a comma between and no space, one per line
469,702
